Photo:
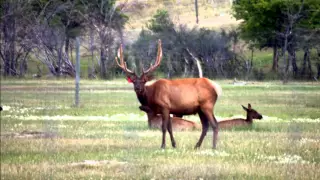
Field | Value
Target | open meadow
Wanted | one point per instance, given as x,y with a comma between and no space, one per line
107,136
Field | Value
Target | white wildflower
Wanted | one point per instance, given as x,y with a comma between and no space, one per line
306,120
212,153
308,140
284,159
271,118
6,108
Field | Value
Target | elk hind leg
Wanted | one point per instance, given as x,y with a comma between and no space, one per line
214,124
205,126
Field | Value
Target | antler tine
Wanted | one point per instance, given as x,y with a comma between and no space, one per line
122,64
159,54
158,60
126,67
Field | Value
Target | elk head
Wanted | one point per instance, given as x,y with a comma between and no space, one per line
252,113
139,81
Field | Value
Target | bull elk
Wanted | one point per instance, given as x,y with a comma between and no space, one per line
178,124
251,114
180,97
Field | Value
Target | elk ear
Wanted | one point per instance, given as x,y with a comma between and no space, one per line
244,108
147,77
249,106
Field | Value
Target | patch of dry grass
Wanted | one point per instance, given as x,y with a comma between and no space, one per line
211,15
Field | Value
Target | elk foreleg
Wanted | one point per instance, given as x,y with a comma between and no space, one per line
150,114
169,126
166,124
205,126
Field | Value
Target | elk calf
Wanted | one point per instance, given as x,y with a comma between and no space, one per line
230,123
178,124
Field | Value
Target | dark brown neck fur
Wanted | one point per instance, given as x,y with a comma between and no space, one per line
142,97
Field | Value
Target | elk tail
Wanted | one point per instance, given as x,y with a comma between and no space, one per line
217,88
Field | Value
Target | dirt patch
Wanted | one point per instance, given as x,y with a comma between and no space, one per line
30,134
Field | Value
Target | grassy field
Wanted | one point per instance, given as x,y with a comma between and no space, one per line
107,136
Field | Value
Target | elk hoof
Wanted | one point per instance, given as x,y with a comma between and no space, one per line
197,146
163,146
174,145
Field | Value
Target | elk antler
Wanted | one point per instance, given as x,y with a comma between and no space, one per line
158,60
122,64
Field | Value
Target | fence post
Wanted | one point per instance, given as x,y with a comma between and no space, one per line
77,72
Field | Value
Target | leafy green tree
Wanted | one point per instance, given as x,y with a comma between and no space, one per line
309,36
160,22
276,24
261,19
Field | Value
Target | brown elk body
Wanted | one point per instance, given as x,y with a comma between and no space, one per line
180,97
230,123
178,124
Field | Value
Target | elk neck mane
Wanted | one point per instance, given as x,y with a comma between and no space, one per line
142,97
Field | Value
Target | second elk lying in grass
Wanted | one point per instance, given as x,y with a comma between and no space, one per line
178,124
230,123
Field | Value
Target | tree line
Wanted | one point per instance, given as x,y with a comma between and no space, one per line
286,26
45,30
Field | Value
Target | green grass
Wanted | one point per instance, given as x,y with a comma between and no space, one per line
109,126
